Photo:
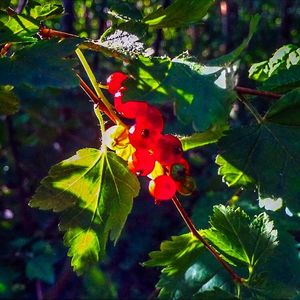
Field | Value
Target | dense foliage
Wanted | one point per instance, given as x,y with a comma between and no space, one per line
71,183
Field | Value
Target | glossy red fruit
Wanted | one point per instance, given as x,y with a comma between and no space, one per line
162,187
114,82
141,162
151,119
168,150
143,137
147,129
129,109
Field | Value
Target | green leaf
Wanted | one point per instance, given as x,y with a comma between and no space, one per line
201,139
125,11
17,28
40,266
94,192
247,155
179,13
234,55
96,283
44,9
198,100
23,27
50,67
236,237
189,271
9,102
281,71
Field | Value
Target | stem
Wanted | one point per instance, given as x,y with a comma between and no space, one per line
96,87
251,108
244,90
5,49
94,98
102,126
195,232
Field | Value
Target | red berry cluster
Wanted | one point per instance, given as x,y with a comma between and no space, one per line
149,152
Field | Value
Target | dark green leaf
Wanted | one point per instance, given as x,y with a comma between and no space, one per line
179,13
198,100
281,71
248,154
125,11
189,272
236,237
234,55
9,102
50,67
95,192
40,266
4,4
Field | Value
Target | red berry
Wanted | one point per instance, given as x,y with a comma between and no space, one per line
152,119
143,137
147,129
141,162
168,150
129,109
162,187
114,82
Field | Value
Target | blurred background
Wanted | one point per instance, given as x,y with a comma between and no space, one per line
52,124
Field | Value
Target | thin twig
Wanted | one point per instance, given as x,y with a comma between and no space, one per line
63,279
5,49
248,91
251,108
195,232
94,98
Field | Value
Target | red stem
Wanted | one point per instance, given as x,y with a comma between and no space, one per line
195,232
94,98
248,91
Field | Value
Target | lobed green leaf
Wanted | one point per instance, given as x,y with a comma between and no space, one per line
51,69
281,71
198,100
94,192
247,155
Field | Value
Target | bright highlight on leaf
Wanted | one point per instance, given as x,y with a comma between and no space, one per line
94,192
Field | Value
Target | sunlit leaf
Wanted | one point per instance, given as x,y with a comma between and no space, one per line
202,138
237,237
198,100
94,192
281,71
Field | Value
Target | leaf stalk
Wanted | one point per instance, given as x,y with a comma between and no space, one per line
235,277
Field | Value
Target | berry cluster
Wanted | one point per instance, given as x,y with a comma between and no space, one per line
148,151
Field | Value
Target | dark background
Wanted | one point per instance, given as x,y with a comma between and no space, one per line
52,124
